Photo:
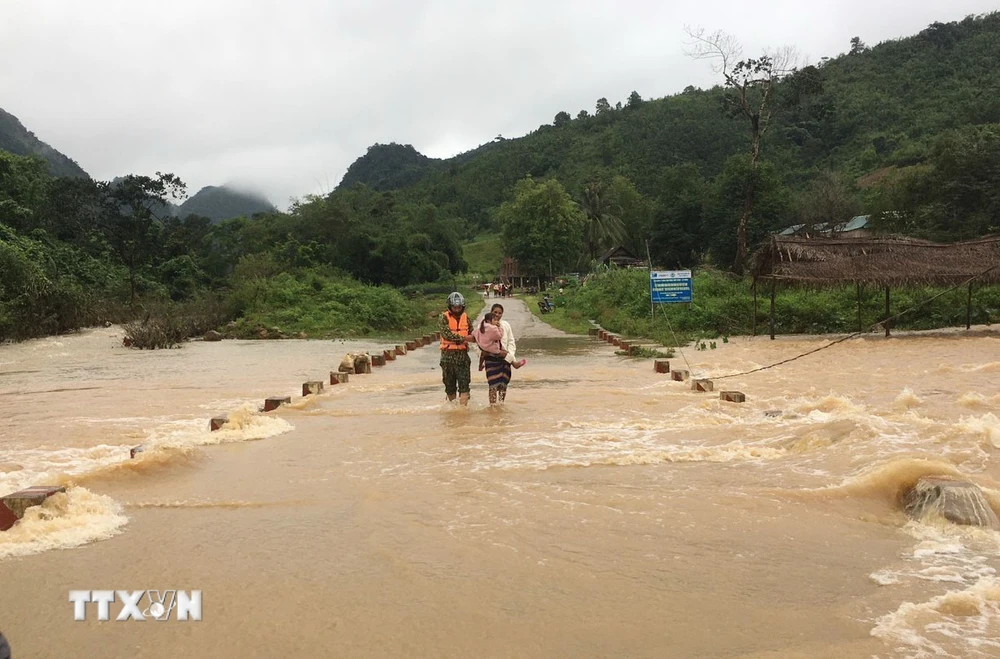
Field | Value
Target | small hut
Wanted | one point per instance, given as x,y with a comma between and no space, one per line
886,262
622,258
856,227
510,273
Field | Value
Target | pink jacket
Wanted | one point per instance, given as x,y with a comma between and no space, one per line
489,338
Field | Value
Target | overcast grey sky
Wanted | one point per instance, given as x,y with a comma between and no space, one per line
284,95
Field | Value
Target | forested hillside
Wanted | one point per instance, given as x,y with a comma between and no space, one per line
16,139
887,127
223,203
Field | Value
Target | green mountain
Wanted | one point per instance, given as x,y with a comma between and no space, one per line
223,203
17,139
388,167
858,115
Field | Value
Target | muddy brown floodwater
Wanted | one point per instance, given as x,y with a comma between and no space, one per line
605,511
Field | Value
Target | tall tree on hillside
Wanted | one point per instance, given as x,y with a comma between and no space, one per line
541,227
828,200
955,195
23,182
135,207
604,218
751,85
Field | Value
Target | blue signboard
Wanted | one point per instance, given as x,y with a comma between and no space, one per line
670,286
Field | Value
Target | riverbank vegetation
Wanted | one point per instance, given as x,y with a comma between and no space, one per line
76,252
723,306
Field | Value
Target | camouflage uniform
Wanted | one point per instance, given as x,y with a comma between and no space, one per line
456,367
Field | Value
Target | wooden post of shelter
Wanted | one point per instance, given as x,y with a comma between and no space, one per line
772,309
860,326
968,309
753,331
886,323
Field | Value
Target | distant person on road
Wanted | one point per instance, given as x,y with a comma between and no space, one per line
456,335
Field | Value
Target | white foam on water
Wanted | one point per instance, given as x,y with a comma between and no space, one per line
245,424
907,400
985,427
961,622
26,467
51,467
65,520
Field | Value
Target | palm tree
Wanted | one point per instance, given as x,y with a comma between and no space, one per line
604,223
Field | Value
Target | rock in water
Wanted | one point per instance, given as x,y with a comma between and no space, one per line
212,335
959,502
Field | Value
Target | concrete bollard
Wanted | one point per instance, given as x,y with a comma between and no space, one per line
275,402
378,360
390,355
411,345
336,377
680,376
311,388
733,396
428,339
363,364
12,506
602,335
617,342
592,331
400,350
702,385
217,422
135,450
661,366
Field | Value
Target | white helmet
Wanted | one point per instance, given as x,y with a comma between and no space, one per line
456,299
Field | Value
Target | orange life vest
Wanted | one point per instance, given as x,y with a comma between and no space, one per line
459,326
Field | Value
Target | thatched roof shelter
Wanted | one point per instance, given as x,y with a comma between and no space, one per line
884,262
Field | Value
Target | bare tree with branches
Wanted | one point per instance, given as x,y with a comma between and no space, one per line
752,85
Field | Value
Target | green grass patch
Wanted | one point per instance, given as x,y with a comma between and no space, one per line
326,305
484,255
723,306
571,321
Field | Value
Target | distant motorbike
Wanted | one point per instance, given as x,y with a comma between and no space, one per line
545,305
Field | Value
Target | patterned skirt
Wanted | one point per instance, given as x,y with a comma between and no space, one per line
498,372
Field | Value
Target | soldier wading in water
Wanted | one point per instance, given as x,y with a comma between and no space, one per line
456,335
